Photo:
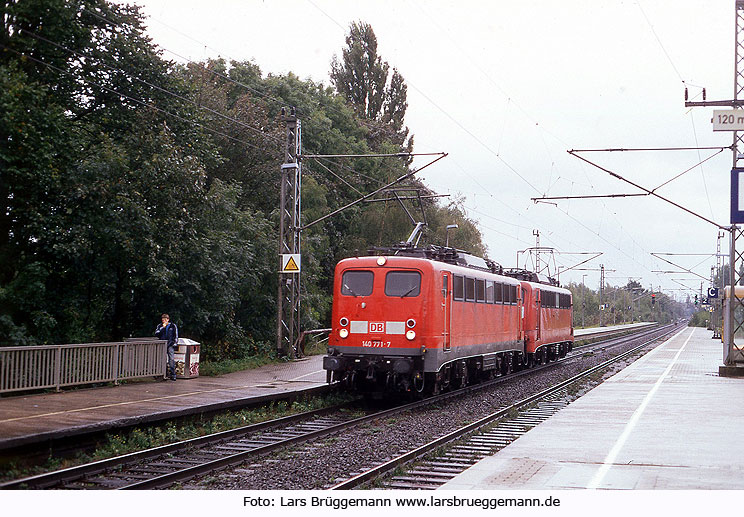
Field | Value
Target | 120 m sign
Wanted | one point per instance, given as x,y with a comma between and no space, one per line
728,120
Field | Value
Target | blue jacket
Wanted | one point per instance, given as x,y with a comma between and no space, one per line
169,333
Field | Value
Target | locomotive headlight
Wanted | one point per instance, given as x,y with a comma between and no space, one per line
381,261
410,335
343,322
411,323
344,333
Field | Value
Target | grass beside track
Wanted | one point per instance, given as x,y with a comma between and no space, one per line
117,444
225,366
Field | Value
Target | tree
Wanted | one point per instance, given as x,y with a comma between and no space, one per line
108,216
362,78
130,185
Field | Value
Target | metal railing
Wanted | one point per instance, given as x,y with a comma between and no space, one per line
55,366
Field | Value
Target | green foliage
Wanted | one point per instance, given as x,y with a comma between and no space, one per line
119,204
362,78
700,319
627,304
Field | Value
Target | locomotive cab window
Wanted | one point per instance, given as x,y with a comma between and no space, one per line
357,283
403,283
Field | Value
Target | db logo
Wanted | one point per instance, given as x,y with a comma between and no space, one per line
377,327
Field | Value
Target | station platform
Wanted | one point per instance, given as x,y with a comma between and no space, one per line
39,418
668,421
592,332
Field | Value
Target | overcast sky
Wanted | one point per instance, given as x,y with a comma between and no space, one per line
506,88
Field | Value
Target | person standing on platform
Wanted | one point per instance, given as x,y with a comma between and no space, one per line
169,332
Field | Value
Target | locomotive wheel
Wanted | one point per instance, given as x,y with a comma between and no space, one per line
505,365
432,384
390,382
419,383
518,362
475,372
444,380
462,378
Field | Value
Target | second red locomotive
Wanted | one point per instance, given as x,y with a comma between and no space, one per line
425,319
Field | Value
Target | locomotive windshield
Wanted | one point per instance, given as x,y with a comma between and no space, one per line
357,283
403,283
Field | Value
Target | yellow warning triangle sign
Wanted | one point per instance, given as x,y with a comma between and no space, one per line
291,265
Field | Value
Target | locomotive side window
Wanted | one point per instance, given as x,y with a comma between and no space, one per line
403,283
489,291
458,287
469,289
498,292
480,290
512,294
357,283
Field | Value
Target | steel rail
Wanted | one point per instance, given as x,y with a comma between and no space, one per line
204,468
79,472
416,453
190,472
76,473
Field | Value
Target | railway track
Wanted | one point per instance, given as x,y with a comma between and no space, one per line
471,443
177,463
431,473
162,466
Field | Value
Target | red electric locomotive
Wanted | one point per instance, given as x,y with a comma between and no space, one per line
425,319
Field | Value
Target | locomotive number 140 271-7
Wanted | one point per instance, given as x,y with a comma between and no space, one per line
376,344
